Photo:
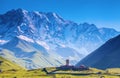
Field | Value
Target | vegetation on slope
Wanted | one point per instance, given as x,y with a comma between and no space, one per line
6,65
11,70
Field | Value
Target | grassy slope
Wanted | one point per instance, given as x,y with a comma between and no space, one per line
11,70
8,65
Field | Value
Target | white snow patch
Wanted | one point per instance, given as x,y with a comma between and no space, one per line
47,28
54,14
25,38
38,13
30,21
47,18
41,15
59,28
23,24
3,42
19,29
62,45
32,26
58,19
44,44
25,11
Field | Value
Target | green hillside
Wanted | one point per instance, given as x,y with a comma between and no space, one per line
6,65
11,70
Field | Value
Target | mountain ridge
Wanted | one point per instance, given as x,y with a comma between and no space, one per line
107,56
50,33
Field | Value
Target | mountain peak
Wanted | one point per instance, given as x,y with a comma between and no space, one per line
53,14
37,31
15,11
55,17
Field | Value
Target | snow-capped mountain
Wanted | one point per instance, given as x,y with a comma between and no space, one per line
41,39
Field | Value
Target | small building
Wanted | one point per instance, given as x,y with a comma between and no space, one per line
72,67
66,66
81,68
67,62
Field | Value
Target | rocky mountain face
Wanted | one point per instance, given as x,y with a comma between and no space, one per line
107,56
39,39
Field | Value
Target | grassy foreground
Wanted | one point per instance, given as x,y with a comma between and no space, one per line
10,70
38,73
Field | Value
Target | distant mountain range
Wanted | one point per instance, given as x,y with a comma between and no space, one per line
107,56
38,39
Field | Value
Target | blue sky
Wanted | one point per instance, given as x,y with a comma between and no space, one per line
103,13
